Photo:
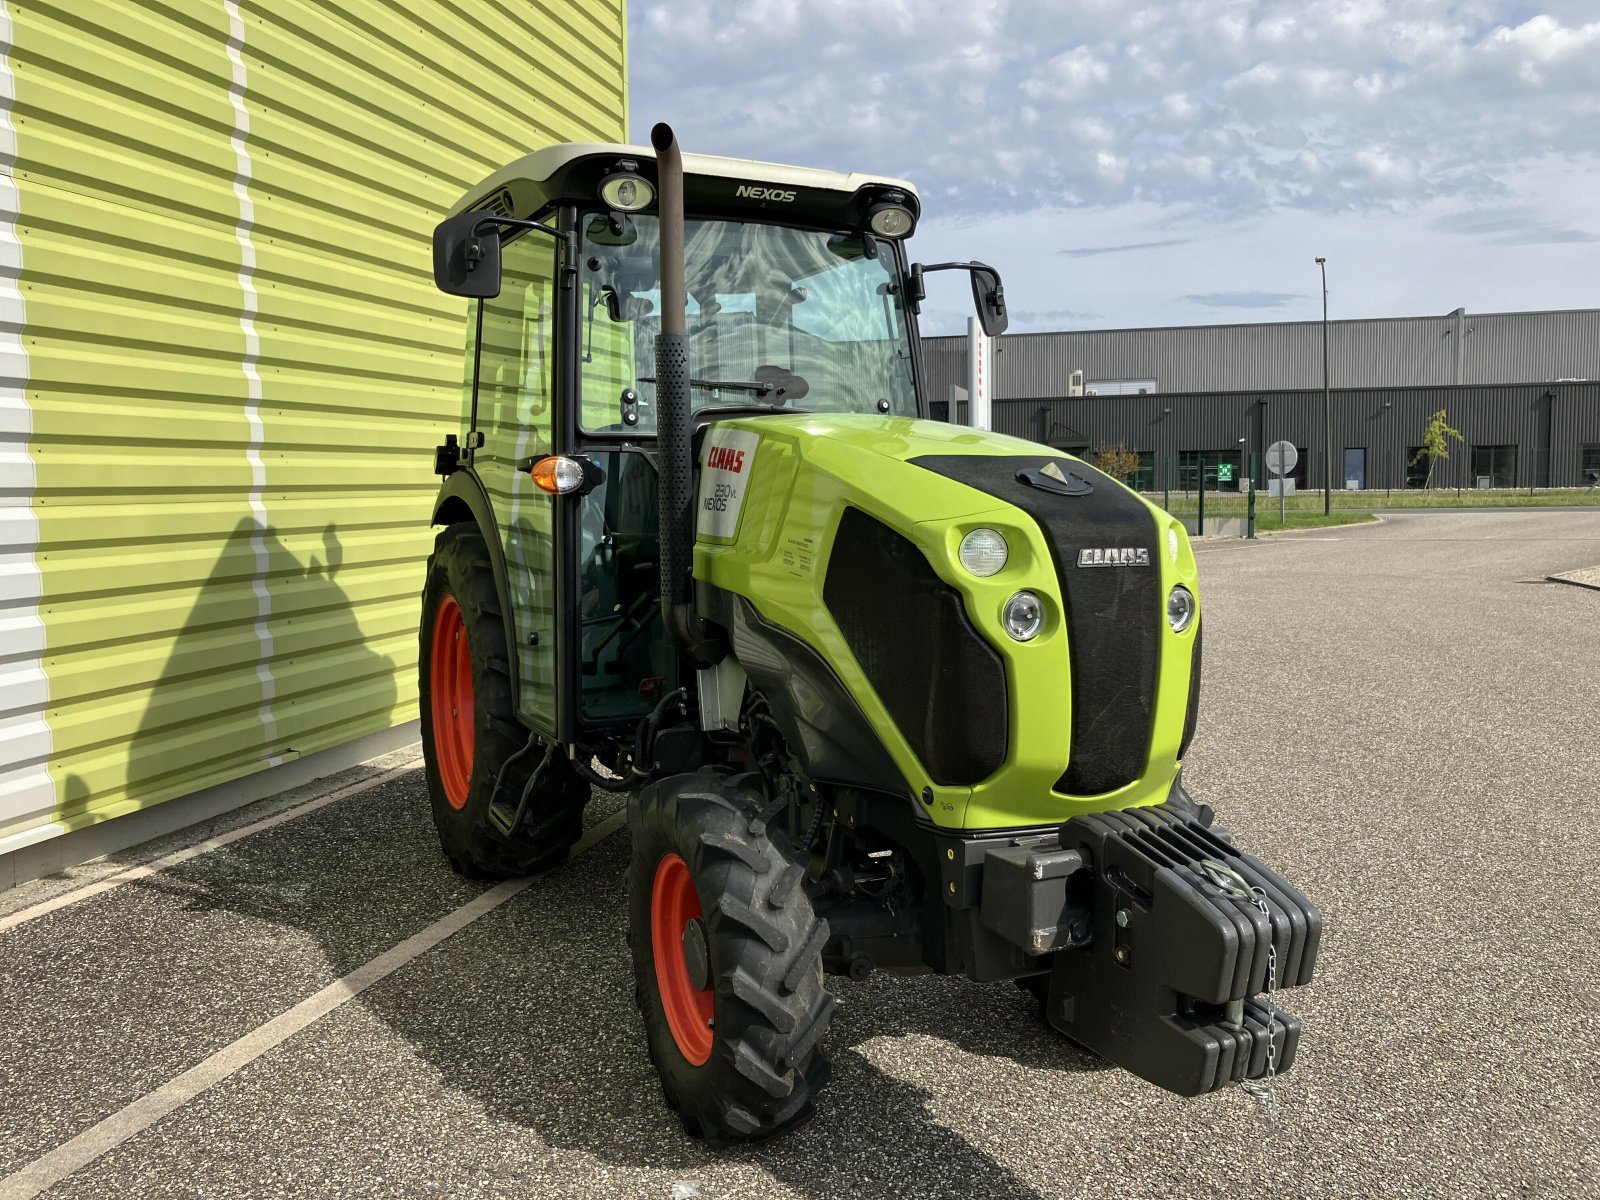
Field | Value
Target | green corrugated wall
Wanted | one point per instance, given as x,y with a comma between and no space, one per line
223,365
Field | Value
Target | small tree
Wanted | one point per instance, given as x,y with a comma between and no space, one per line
1116,461
1436,439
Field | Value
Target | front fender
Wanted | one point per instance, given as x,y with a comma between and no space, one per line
462,498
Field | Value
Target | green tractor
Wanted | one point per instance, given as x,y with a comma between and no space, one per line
885,693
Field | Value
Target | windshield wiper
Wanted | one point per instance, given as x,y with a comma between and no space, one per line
769,380
735,409
737,385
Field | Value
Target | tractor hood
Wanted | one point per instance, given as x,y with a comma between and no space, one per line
844,530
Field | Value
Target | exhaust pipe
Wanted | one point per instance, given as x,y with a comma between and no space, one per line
674,448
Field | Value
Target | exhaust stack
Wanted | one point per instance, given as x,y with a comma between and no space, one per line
674,446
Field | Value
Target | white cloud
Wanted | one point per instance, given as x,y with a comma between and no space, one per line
1201,115
1068,76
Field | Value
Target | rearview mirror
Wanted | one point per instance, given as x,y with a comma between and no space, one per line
466,255
990,299
988,296
612,229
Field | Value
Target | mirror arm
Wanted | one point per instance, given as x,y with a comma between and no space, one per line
569,270
515,223
916,290
994,300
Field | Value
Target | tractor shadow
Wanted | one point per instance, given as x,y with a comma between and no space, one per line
270,645
551,974
529,1013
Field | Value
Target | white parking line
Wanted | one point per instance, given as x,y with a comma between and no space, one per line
50,1169
23,915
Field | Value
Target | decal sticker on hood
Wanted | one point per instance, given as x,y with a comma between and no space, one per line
728,457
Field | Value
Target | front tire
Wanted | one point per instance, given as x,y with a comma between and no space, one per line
470,727
727,958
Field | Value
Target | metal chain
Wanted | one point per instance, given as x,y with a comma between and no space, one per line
1263,1091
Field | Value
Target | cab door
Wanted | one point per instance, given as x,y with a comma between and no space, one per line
517,384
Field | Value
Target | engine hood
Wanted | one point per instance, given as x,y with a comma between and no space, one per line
843,530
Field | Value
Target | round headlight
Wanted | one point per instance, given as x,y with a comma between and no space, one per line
1180,609
626,193
890,221
983,552
1024,616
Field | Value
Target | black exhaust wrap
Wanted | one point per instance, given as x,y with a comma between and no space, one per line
672,387
674,430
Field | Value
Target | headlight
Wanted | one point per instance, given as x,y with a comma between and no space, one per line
626,193
1024,616
1180,609
983,552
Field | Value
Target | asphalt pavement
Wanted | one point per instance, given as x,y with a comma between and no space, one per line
1404,718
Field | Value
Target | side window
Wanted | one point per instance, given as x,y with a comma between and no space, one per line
516,381
611,356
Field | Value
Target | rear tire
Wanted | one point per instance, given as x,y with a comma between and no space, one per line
470,726
727,958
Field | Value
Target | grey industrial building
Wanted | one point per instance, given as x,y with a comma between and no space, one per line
1522,388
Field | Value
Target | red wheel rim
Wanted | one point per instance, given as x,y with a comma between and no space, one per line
450,685
673,904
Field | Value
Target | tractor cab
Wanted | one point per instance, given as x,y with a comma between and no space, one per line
799,299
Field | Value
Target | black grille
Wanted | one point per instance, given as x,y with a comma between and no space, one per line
944,686
499,203
1114,614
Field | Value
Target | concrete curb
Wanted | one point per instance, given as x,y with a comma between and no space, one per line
1591,578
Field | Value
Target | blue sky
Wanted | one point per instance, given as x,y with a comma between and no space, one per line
1129,164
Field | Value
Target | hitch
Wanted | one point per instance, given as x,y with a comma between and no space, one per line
1185,933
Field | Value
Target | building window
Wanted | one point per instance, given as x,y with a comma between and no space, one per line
1494,466
1220,468
1589,464
1355,468
1418,461
1144,475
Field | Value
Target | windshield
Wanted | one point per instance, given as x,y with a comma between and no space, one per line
796,318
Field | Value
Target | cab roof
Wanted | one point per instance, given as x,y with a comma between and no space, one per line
572,171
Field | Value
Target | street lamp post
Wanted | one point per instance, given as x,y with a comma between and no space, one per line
1327,401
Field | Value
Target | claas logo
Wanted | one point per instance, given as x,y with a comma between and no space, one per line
726,458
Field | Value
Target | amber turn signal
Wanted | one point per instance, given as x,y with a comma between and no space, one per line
557,474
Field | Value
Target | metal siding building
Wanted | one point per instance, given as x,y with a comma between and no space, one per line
1459,348
1385,424
225,366
1515,384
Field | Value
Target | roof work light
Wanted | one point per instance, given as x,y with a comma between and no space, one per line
626,191
889,217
